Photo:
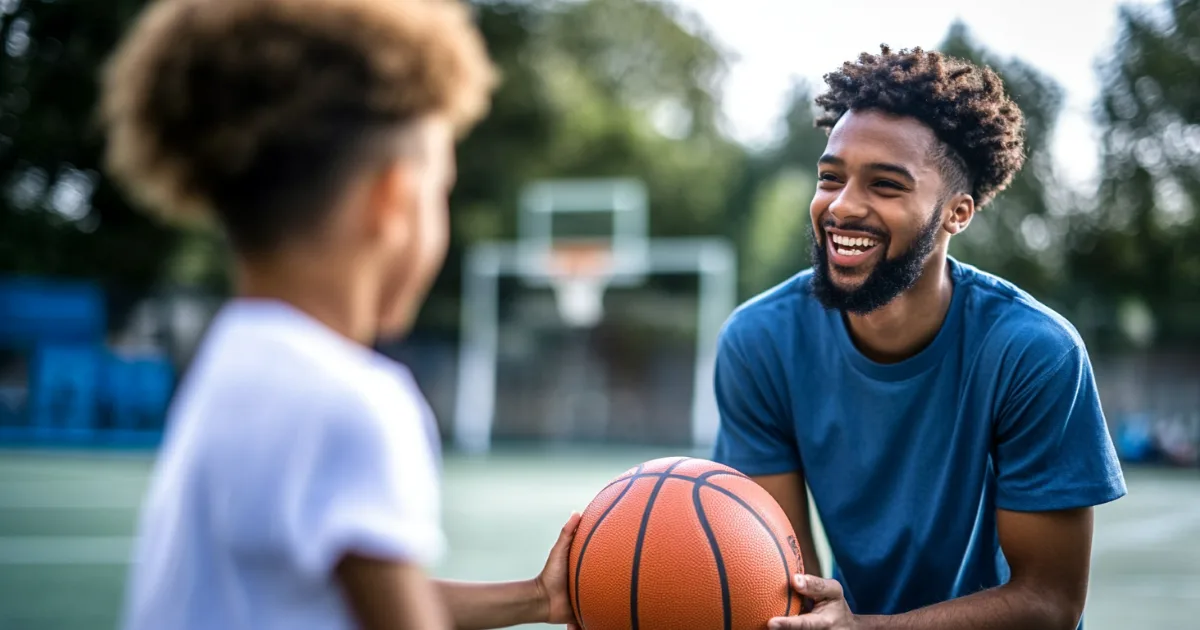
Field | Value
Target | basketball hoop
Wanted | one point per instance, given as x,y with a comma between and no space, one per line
580,238
579,276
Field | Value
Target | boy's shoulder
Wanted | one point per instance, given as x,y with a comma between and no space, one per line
283,372
298,445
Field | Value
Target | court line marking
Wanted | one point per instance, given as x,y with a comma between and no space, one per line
65,550
1136,533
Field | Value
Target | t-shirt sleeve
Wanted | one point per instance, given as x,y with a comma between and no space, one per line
755,435
365,483
1053,450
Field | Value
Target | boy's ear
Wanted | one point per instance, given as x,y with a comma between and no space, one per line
391,197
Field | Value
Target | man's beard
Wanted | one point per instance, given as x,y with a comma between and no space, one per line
888,279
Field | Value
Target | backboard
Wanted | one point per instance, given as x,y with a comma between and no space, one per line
605,216
579,238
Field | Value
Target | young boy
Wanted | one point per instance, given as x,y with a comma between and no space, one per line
297,486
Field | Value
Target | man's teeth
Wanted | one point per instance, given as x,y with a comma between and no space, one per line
858,242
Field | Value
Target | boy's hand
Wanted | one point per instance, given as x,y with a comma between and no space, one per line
552,581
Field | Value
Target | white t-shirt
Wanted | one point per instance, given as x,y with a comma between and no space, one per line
287,447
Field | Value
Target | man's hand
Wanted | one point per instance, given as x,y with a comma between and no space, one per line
552,581
829,612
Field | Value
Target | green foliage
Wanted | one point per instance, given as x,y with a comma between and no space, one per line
1139,243
596,88
602,88
771,190
58,215
776,240
1017,235
632,88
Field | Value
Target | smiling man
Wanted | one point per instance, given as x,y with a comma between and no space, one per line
946,422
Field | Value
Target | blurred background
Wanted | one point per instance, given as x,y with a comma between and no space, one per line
706,107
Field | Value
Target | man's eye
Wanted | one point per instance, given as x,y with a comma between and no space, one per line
887,183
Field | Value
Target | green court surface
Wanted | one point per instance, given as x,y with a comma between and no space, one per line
66,520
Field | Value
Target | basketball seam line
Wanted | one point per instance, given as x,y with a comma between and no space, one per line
641,540
588,540
763,522
722,576
637,475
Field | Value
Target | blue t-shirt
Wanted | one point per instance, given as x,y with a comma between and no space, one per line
908,462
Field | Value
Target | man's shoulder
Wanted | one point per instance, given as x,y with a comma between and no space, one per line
770,313
1012,321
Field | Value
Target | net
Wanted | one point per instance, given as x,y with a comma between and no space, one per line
579,275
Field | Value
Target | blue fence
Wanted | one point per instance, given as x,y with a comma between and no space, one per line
35,311
72,388
61,384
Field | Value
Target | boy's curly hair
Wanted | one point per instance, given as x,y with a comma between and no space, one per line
257,111
964,104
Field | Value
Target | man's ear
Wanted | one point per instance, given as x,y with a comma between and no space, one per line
960,209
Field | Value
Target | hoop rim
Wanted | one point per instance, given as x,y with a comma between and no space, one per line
570,261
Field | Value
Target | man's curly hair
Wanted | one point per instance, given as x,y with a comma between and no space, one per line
965,105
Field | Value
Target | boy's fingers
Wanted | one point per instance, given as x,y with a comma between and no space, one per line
572,523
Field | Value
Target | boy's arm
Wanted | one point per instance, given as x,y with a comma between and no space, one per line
543,599
484,605
386,595
389,595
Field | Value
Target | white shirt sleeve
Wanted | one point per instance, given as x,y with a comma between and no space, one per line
365,482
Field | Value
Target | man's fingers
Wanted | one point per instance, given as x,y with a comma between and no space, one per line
829,610
801,622
819,589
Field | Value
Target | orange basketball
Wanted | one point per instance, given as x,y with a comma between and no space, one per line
687,544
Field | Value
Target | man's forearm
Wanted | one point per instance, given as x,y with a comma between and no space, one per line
1007,607
808,552
485,605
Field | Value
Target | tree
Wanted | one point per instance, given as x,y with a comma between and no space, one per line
1135,252
592,88
776,188
598,88
1018,235
58,214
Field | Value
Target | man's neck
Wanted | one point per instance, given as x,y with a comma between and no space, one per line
318,287
907,324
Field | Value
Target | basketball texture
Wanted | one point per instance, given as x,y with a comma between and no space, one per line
681,543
